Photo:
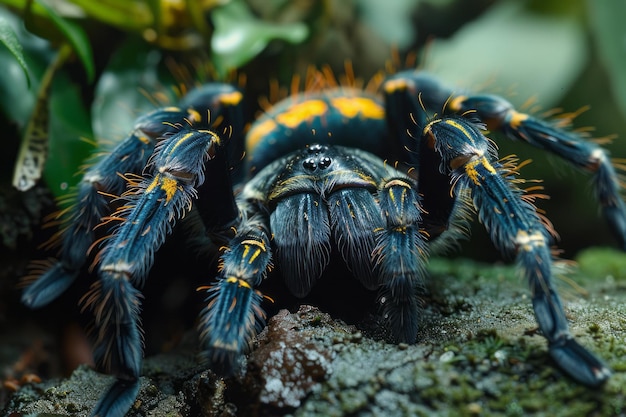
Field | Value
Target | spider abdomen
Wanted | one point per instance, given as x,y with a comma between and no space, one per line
339,116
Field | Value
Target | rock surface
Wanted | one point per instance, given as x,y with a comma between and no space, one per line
479,354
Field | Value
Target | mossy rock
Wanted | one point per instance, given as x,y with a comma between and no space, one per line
479,354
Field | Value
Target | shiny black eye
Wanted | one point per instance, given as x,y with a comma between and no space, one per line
324,162
316,148
309,164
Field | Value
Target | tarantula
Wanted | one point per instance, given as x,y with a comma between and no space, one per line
367,176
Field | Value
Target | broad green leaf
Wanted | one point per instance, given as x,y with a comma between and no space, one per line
75,35
131,85
123,14
239,36
9,39
70,134
509,50
17,100
67,114
607,23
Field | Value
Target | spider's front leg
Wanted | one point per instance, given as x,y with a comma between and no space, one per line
101,182
214,106
516,230
233,314
400,257
151,209
499,114
417,93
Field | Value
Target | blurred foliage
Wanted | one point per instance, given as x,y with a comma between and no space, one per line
128,56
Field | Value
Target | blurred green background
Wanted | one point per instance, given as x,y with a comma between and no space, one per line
95,65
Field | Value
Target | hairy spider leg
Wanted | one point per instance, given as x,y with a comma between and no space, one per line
412,98
101,182
431,95
516,230
569,145
215,106
150,212
225,168
219,107
375,221
446,219
401,257
233,313
118,399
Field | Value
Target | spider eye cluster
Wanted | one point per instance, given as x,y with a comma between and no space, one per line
317,158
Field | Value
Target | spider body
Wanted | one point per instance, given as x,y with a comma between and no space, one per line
372,176
319,197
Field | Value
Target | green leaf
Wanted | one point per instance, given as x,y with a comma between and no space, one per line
54,96
510,50
607,24
128,88
70,135
123,14
9,39
75,35
239,36
17,99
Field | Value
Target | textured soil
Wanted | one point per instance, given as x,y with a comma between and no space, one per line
479,354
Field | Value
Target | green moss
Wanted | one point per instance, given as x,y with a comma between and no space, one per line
484,356
600,263
479,354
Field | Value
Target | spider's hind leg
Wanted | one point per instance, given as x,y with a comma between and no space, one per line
517,231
